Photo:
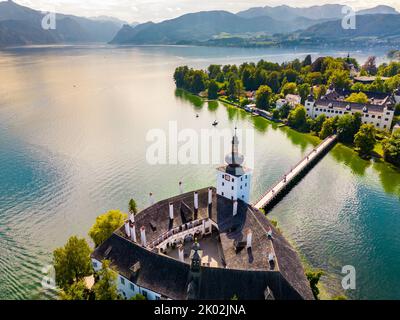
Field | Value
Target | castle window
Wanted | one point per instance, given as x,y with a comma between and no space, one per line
232,188
223,183
373,116
233,180
241,187
222,193
386,119
144,293
132,286
122,281
245,184
379,117
384,126
242,196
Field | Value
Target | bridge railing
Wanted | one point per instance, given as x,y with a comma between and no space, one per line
315,150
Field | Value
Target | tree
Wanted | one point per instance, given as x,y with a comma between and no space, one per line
318,122
214,70
77,291
391,148
328,128
132,207
105,288
198,82
289,88
365,139
298,118
341,79
360,97
105,225
304,91
138,297
72,262
313,277
234,88
370,66
213,89
263,97
347,126
307,61
179,76
275,114
284,111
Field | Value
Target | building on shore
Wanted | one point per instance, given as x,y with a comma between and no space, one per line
291,99
379,110
205,244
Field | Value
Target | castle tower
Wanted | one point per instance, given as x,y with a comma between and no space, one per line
396,95
310,103
233,179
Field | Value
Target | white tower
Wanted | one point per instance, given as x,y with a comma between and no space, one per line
396,95
234,180
310,103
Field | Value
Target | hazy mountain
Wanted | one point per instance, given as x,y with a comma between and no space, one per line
116,21
378,10
68,28
283,12
376,25
204,25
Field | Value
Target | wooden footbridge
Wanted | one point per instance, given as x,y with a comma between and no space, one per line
290,179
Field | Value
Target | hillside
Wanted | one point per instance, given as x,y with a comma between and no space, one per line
21,25
377,25
202,26
283,12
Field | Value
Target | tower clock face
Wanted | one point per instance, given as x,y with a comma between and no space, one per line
227,178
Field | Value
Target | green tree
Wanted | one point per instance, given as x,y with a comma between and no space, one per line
289,88
314,277
319,121
214,70
276,114
341,79
72,262
360,97
213,89
234,88
304,91
77,291
138,297
365,139
179,76
263,97
105,225
328,128
347,126
198,82
391,148
106,288
284,111
132,207
307,61
298,118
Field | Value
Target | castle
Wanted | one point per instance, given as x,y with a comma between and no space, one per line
205,244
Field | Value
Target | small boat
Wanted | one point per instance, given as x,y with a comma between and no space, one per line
197,115
215,123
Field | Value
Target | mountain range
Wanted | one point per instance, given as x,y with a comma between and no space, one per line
20,25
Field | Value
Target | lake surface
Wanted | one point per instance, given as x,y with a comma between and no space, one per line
73,125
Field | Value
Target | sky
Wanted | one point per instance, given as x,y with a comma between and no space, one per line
158,10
